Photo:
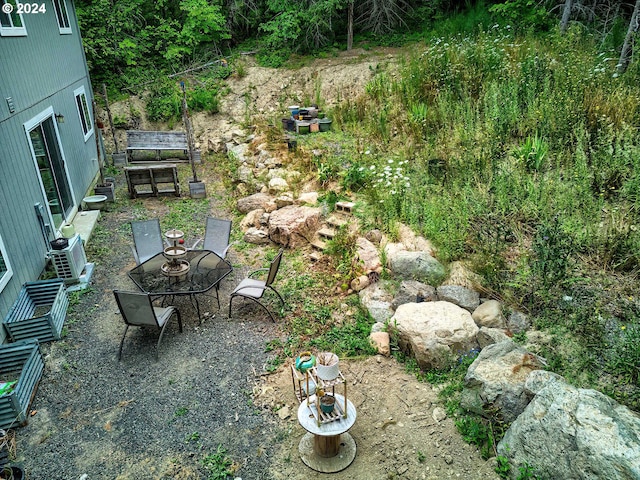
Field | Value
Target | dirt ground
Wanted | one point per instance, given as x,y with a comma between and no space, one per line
395,430
140,419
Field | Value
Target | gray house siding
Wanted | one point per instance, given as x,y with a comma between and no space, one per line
39,71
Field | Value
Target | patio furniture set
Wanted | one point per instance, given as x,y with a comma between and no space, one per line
166,269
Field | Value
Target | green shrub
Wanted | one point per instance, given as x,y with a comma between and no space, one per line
204,99
164,102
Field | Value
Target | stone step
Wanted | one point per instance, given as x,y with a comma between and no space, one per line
327,233
337,221
345,207
318,244
315,256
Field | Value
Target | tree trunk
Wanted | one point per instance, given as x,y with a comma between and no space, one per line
566,15
350,27
627,47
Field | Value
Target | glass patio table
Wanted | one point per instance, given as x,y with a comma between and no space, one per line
206,271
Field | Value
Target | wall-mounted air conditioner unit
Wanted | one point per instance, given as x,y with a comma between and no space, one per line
71,260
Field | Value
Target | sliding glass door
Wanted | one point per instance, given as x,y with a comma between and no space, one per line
51,167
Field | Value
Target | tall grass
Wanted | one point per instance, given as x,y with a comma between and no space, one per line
523,155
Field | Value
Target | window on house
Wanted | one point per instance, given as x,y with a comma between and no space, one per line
83,111
62,16
5,268
11,24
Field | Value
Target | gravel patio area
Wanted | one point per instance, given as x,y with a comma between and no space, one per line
142,419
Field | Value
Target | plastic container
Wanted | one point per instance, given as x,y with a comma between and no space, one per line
325,124
303,127
68,231
294,109
95,202
327,403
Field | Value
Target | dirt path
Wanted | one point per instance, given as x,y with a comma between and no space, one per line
395,430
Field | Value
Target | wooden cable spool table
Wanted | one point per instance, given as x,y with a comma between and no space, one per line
327,447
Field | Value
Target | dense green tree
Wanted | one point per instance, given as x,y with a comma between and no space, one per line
127,41
203,24
301,26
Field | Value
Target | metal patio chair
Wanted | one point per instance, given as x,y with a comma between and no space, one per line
255,289
216,236
147,240
216,239
138,311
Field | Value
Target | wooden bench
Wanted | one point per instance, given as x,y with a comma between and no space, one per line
152,180
143,140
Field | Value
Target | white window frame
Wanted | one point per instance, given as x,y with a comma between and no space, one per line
12,31
79,93
6,276
64,12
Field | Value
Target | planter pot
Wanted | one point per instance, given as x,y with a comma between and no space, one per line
327,403
314,127
302,127
95,202
119,158
11,472
107,189
294,110
305,361
197,189
328,366
325,124
68,231
288,124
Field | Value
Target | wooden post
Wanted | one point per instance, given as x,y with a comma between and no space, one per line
326,447
350,26
187,126
106,103
96,132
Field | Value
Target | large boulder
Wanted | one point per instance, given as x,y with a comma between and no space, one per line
294,225
434,332
462,296
377,301
518,322
278,185
496,380
308,198
488,336
251,219
461,274
571,433
256,201
412,291
417,266
367,254
256,236
238,152
413,242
